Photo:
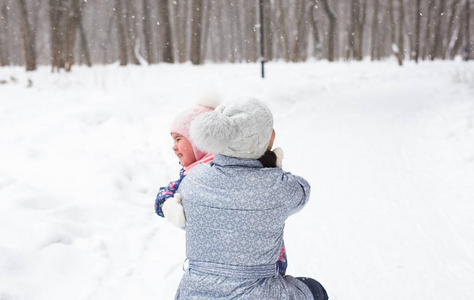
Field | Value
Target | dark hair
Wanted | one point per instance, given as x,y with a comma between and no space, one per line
268,159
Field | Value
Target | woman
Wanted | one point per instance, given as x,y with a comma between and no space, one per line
236,210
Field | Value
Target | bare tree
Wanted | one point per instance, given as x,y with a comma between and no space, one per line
250,38
84,46
352,30
451,26
396,49
361,28
72,25
233,35
4,53
281,32
58,36
205,17
315,28
332,29
429,21
467,50
401,17
300,30
226,31
131,31
196,32
417,30
221,30
181,29
121,35
29,55
166,41
374,50
458,39
437,48
147,32
269,29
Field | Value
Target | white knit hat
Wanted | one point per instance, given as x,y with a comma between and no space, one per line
240,129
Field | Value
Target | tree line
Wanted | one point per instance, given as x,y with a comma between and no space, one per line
63,33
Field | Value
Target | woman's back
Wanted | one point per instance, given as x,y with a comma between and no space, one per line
235,215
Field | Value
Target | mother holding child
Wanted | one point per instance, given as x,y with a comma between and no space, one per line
235,208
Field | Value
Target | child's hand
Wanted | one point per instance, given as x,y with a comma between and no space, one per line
173,211
279,154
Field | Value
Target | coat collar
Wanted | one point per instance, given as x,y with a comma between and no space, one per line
222,161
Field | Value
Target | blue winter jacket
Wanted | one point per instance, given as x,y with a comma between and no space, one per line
235,216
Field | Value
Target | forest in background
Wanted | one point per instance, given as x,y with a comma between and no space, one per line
63,33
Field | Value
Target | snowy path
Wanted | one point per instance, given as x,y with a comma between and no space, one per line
389,152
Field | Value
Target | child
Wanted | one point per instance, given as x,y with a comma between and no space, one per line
236,211
168,202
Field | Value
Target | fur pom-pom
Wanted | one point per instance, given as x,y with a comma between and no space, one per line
212,131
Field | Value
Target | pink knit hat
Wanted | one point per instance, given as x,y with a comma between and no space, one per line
183,121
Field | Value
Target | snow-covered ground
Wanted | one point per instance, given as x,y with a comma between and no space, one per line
389,153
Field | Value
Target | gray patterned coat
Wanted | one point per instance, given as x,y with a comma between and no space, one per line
235,216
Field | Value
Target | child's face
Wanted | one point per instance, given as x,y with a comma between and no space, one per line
183,149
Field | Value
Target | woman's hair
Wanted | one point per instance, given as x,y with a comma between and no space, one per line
268,159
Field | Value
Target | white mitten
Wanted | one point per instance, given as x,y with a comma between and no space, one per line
173,211
279,154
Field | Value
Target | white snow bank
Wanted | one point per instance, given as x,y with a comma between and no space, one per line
389,152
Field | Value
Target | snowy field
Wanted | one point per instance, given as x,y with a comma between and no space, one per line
389,153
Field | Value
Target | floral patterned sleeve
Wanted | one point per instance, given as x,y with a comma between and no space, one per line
167,192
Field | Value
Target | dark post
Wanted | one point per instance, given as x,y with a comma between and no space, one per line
262,51
468,48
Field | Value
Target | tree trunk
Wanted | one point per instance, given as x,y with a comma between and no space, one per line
147,32
351,31
395,44
121,38
108,39
29,55
166,41
300,31
182,22
426,48
35,24
222,29
71,38
283,36
375,32
315,29
85,54
250,38
401,18
467,50
450,33
459,39
58,35
234,29
269,28
196,32
417,30
332,29
360,29
437,47
132,38
4,51
207,7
